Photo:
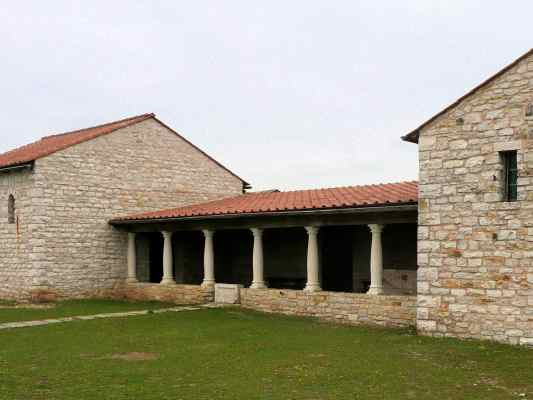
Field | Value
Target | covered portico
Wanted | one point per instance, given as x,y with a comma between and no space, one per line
255,242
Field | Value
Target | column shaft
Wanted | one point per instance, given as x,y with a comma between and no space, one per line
209,259
376,260
313,263
258,281
132,259
168,263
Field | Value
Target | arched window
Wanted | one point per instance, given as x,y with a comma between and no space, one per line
11,209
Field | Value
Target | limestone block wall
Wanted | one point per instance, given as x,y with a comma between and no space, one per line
401,281
178,294
16,275
76,191
349,308
475,251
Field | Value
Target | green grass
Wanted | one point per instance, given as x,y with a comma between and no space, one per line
235,354
6,303
75,307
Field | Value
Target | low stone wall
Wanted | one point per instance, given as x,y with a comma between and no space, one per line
349,308
179,294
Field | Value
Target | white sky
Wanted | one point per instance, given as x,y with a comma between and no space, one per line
287,94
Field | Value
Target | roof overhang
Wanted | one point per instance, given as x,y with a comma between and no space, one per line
412,137
314,212
17,167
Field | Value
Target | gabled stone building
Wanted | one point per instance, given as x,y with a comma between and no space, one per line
475,248
132,209
57,195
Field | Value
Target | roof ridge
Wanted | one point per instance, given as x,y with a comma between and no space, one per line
50,144
145,115
368,185
53,143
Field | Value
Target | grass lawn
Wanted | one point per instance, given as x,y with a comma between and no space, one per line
74,307
237,354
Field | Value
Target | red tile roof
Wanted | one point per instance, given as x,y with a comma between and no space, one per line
267,202
414,135
53,143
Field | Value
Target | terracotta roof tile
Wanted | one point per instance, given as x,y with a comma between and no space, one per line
53,143
266,202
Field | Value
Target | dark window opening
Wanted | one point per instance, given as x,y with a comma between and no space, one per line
510,175
11,209
156,258
337,258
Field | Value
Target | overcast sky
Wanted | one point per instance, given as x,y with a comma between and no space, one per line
287,94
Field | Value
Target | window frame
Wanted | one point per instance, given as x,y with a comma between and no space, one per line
510,175
11,209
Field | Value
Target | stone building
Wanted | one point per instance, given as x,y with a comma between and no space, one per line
475,247
57,195
131,209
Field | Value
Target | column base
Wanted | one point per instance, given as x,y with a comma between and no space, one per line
132,280
258,285
208,284
310,288
375,291
167,282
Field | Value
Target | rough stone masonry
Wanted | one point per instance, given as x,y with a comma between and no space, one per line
62,244
475,251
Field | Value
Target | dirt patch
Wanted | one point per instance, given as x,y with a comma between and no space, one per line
132,356
135,356
43,296
317,355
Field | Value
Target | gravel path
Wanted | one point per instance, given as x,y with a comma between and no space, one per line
25,324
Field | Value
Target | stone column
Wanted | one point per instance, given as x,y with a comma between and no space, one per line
168,278
209,259
376,260
132,259
258,281
313,263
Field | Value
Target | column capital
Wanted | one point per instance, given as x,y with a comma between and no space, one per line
312,230
208,233
131,235
167,234
376,228
257,231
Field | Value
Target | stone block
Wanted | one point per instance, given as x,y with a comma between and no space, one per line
226,293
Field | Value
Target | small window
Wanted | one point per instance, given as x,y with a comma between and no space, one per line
510,176
11,209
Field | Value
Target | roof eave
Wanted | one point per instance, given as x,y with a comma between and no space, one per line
18,166
412,137
403,206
